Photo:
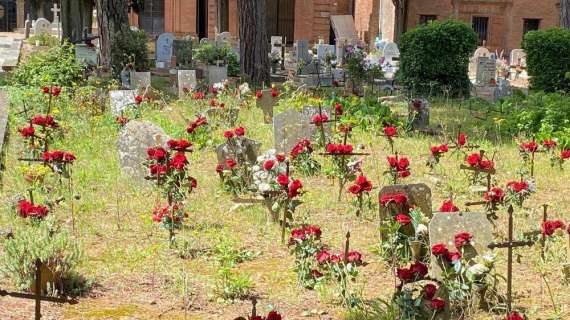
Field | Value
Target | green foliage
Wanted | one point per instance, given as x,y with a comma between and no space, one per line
129,47
232,285
437,55
548,58
44,39
365,113
56,66
41,239
545,115
233,64
210,53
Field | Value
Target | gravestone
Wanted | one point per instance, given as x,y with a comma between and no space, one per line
480,52
291,126
217,74
518,58
134,140
340,45
276,44
391,53
302,51
56,12
85,54
324,50
486,71
42,25
419,195
244,150
444,226
182,50
205,41
140,80
4,105
120,100
164,47
266,104
186,81
418,110
503,89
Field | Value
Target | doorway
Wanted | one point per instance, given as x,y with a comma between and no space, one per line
280,19
202,19
7,15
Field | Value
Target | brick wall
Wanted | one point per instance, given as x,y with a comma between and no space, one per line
366,13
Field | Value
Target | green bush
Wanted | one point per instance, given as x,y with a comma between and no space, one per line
548,59
44,39
437,56
55,66
210,53
55,248
129,47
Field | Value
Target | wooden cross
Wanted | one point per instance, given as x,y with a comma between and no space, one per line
510,244
37,296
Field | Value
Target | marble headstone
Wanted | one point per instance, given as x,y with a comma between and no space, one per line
444,226
244,150
419,195
186,81
302,51
391,53
87,55
42,25
134,140
486,71
120,100
480,52
164,47
276,44
324,50
291,126
518,58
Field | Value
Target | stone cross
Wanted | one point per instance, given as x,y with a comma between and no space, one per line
56,12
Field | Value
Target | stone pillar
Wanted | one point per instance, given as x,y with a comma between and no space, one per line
20,13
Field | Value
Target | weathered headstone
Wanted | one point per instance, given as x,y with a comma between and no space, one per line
266,103
85,54
419,110
120,100
419,195
291,126
302,51
164,47
324,51
205,40
244,150
444,226
186,81
134,140
486,71
518,58
140,80
480,52
217,74
391,53
276,44
56,12
42,25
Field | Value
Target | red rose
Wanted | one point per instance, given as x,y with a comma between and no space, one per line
157,169
228,134
392,161
338,109
403,219
517,186
323,256
419,269
179,145
462,239
437,304
138,99
403,163
364,183
336,258
439,249
390,131
398,198
280,157
448,206
274,93
316,274
354,257
193,182
453,256
294,188
429,291
443,148
157,153
231,163
298,234
434,150
240,132
486,164
549,144
259,94
273,315
531,146
179,161
473,159
45,89
318,119
355,189
565,154
461,139
283,180
549,227
268,165
495,195
515,316
220,168
313,231
404,274
27,132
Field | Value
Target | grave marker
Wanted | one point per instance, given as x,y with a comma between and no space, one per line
164,47
444,226
291,126
244,151
324,51
419,195
518,58
486,71
266,104
186,81
42,25
302,51
139,80
480,52
120,100
343,27
418,114
87,55
391,53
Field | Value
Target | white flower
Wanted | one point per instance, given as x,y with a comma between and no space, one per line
264,187
478,269
219,86
421,230
244,88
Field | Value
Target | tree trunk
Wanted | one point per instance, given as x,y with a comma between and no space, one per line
76,19
400,18
112,15
254,44
565,14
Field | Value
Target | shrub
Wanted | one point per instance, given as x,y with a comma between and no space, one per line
55,248
44,39
56,66
437,55
129,47
548,58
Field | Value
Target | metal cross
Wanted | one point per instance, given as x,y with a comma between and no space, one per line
510,244
37,295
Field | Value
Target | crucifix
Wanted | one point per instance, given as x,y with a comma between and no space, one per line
510,244
56,12
37,295
321,126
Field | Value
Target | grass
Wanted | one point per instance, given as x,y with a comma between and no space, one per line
138,276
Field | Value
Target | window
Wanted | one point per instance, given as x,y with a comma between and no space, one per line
424,19
480,25
530,25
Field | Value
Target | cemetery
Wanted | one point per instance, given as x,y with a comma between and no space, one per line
249,176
